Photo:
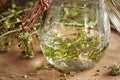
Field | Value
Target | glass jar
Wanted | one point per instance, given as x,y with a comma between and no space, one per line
75,33
114,12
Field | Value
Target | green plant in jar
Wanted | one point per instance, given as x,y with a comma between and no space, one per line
75,33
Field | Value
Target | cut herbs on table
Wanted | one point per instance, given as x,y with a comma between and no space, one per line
11,31
114,70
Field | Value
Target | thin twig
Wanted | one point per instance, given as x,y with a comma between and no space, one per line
12,15
9,32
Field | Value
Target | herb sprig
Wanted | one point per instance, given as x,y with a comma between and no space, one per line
114,70
11,32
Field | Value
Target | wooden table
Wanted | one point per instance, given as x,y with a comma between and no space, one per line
14,67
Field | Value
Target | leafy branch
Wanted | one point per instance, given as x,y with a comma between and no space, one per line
11,31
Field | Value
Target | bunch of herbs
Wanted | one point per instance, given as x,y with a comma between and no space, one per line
11,31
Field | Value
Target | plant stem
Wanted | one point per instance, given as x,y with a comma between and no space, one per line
12,15
9,32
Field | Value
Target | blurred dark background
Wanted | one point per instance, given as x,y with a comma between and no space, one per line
4,4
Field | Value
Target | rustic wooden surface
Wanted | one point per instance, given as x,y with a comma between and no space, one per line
14,67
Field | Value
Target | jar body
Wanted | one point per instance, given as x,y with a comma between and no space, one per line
75,34
114,12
